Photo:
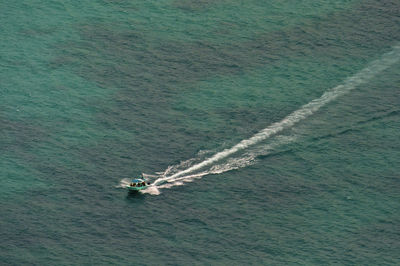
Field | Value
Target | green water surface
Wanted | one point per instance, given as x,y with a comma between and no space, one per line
96,91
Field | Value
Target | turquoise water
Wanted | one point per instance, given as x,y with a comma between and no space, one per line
98,91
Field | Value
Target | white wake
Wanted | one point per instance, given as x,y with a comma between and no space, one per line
219,162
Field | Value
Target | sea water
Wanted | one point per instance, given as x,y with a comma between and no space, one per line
271,129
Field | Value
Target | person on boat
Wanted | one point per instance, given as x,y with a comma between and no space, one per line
143,183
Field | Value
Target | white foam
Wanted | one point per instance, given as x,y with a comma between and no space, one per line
188,170
152,190
124,183
233,163
305,111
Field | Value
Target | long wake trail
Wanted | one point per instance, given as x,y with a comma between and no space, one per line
188,172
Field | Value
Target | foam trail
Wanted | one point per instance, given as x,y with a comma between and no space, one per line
244,160
305,111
